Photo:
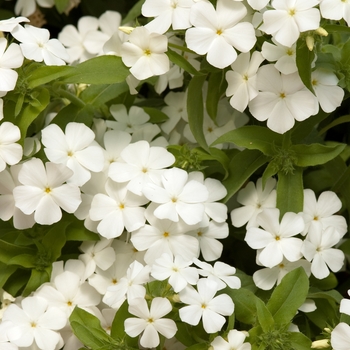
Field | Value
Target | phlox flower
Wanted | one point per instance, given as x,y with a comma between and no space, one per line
266,278
10,151
35,321
329,95
220,273
5,326
219,32
340,337
254,200
36,45
117,209
345,305
288,19
10,57
285,57
241,80
335,9
176,269
178,198
145,53
44,192
282,100
235,340
28,7
276,238
317,248
320,212
150,321
258,4
203,304
175,13
7,25
164,236
75,148
174,77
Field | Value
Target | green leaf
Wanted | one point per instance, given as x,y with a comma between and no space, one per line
156,116
290,191
253,137
288,296
80,233
181,61
334,28
45,74
304,59
61,5
241,167
9,250
330,282
315,154
325,310
134,12
195,109
265,318
299,341
338,121
55,239
24,260
199,346
37,278
6,272
216,88
118,331
106,69
332,295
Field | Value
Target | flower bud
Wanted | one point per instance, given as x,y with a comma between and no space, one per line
126,30
321,31
320,344
310,41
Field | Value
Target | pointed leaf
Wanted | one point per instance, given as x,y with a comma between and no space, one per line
304,59
216,88
181,61
265,318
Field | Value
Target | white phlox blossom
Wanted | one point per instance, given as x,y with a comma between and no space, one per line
142,165
36,45
164,236
340,337
10,57
220,273
174,78
317,248
75,148
145,53
10,151
28,7
4,341
288,19
128,121
329,95
258,4
8,209
35,321
178,198
203,304
235,340
335,9
345,305
254,200
219,32
130,286
320,212
266,278
282,100
276,239
7,25
150,321
176,270
285,57
43,191
242,79
167,13
117,209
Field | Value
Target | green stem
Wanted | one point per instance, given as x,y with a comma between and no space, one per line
71,97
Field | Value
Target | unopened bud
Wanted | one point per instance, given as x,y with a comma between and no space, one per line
320,344
310,41
126,30
176,298
321,31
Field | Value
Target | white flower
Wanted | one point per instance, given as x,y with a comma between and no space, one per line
317,248
7,25
35,322
345,305
177,270
5,326
282,100
150,321
28,7
11,58
254,199
276,239
145,53
36,45
75,148
218,33
178,198
335,9
175,13
289,18
241,80
235,340
44,192
340,337
204,304
329,95
10,151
